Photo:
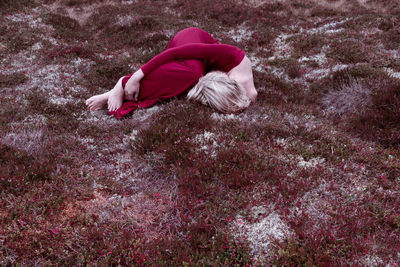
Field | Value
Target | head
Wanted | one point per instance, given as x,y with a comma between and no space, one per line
219,91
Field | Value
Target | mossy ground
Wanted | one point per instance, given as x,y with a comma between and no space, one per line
308,175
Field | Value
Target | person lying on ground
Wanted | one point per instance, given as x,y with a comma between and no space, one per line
195,66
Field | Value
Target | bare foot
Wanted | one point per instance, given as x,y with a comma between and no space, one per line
97,102
115,98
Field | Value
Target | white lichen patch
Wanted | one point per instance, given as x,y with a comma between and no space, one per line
318,74
143,114
257,211
224,117
89,142
32,19
29,140
278,72
206,142
370,31
118,165
282,48
37,46
98,117
372,261
260,234
296,121
129,139
125,20
282,142
241,33
60,101
392,73
319,58
315,204
356,186
312,163
151,214
85,63
56,81
31,121
328,28
255,62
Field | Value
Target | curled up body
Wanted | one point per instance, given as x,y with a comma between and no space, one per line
195,66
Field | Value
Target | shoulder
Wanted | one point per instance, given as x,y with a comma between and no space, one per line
243,74
242,71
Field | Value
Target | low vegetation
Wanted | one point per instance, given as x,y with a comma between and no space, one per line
308,175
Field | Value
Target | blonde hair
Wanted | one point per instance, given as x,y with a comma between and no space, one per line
217,90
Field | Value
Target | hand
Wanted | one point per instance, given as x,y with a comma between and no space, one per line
131,90
132,87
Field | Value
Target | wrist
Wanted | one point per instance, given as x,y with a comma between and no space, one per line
138,75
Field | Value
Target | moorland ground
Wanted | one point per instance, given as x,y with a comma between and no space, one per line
308,175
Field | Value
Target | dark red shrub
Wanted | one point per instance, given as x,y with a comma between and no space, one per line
381,121
66,27
67,52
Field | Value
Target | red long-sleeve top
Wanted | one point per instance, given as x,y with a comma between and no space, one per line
190,54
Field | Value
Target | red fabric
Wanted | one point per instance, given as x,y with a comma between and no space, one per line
189,55
225,57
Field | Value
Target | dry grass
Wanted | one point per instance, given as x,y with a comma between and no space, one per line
307,175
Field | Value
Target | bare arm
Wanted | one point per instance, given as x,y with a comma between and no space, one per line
243,74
